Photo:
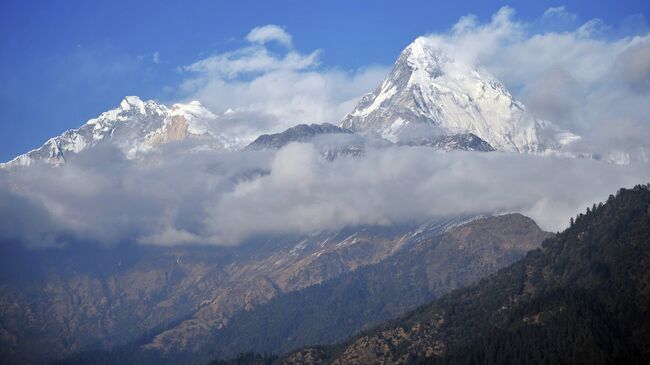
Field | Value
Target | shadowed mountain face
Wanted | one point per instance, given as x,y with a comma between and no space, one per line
299,133
331,311
428,265
59,301
331,141
584,297
463,142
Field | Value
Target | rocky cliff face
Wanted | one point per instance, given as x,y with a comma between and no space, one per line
299,133
453,142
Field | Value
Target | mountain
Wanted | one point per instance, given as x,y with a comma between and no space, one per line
583,297
56,302
427,266
299,133
451,142
429,99
134,127
430,90
331,311
331,141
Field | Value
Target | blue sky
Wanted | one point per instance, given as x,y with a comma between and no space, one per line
65,62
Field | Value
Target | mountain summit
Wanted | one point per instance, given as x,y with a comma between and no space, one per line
429,90
134,127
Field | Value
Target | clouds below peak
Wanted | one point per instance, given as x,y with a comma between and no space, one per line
226,198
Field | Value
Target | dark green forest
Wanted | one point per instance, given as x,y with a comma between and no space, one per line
583,298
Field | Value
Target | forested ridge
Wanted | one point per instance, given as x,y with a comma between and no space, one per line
584,297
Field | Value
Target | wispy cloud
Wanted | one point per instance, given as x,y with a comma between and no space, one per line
268,33
559,13
271,90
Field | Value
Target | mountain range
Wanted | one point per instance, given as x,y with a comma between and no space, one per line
429,99
134,127
55,302
428,91
456,288
426,262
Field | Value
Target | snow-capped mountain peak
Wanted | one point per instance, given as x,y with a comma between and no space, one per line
429,87
133,102
135,127
428,59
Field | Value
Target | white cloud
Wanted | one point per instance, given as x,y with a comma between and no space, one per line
156,57
269,33
559,13
634,66
226,198
251,60
270,91
303,193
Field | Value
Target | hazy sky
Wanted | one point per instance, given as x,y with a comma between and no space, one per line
65,62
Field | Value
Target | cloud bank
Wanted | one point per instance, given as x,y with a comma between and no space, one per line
226,198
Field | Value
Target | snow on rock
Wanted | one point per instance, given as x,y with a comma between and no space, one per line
427,86
135,127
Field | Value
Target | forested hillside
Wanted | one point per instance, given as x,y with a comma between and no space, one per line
584,297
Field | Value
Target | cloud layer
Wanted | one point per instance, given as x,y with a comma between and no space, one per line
226,198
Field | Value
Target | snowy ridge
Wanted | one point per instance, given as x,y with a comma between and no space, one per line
134,127
428,87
